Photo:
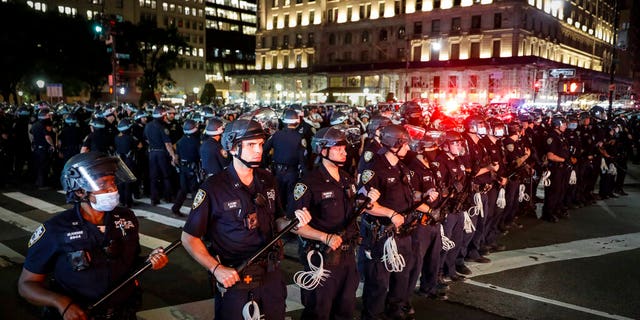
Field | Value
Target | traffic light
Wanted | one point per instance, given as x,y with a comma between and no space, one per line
573,87
537,85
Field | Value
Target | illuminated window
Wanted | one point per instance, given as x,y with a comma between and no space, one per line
172,7
401,33
496,48
299,40
436,84
298,61
473,83
187,10
285,61
165,6
285,41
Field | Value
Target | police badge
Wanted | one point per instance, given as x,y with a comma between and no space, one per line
299,190
368,155
37,234
366,176
197,200
550,141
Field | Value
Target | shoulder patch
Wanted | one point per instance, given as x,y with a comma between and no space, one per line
550,141
366,176
511,147
166,131
37,234
303,142
299,190
368,155
198,199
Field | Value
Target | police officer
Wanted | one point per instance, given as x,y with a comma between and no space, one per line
329,193
126,146
288,159
372,141
558,157
385,283
175,131
69,140
426,240
161,156
43,146
20,139
236,212
214,158
99,139
141,169
516,156
188,150
88,249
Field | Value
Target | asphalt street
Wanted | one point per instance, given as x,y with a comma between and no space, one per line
585,267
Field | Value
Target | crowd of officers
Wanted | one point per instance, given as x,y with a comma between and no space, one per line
390,196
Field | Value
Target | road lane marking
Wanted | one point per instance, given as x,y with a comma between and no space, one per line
9,256
545,300
34,202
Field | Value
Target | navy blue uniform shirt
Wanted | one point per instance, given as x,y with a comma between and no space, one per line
214,158
220,210
288,148
156,134
67,234
188,148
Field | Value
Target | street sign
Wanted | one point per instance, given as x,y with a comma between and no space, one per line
566,73
54,90
123,56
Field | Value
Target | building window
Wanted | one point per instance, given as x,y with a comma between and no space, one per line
349,13
497,21
417,27
274,62
400,54
331,56
298,61
274,4
347,38
312,16
436,84
436,4
310,59
274,42
496,49
285,62
364,56
382,54
473,83
365,36
475,50
365,11
298,18
476,22
332,15
346,56
310,40
263,42
453,84
401,33
275,22
398,7
455,51
435,53
332,39
418,5
286,20
383,35
435,26
285,41
456,25
298,40
381,9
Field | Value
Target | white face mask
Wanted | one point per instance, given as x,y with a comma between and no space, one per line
498,132
482,131
106,201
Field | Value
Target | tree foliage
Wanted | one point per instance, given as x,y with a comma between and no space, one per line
208,94
156,51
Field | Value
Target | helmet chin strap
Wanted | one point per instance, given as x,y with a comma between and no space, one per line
337,163
249,164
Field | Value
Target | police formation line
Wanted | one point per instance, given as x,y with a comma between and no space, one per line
384,196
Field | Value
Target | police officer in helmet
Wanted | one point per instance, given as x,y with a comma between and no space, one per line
236,211
88,249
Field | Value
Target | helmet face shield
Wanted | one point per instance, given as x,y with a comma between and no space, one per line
457,147
89,175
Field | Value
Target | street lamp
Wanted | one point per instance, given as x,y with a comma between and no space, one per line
40,84
196,90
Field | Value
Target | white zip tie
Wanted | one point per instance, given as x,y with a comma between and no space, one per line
502,201
393,261
522,195
311,279
545,178
468,224
447,244
248,315
603,165
477,209
573,179
612,170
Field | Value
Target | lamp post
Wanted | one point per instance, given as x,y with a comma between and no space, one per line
614,57
196,90
40,84
278,89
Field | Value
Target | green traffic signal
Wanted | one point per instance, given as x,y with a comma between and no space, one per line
97,28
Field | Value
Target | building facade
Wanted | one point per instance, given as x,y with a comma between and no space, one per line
187,16
441,50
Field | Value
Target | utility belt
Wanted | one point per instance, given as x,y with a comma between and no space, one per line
375,231
184,164
482,188
330,257
251,276
39,147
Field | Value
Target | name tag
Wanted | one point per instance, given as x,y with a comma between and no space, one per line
327,195
231,205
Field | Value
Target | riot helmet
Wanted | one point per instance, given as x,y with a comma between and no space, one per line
159,112
326,138
189,127
394,136
454,143
214,127
375,123
338,117
125,124
290,117
238,131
